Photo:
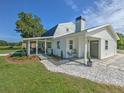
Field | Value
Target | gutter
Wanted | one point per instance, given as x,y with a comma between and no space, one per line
36,38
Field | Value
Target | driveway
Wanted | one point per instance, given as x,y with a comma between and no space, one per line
115,62
118,63
105,71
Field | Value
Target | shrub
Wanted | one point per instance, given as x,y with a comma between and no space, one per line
10,47
19,53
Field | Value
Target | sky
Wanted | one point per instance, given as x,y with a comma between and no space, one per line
52,12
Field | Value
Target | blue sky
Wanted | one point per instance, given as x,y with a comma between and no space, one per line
52,12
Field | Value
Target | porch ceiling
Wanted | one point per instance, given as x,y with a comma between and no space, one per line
38,38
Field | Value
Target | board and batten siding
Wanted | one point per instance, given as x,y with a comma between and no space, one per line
78,44
64,29
57,51
104,35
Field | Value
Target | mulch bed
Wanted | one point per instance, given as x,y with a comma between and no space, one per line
22,60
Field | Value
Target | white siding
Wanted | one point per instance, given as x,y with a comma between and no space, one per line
62,29
111,49
78,41
106,35
67,45
57,51
78,44
81,46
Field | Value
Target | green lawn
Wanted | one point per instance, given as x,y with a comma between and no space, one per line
32,77
8,49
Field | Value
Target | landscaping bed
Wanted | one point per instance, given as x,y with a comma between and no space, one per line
21,60
20,57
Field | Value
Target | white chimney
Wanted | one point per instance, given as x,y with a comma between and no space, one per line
80,24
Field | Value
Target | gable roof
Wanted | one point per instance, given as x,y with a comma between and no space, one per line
50,32
97,27
92,29
103,26
60,30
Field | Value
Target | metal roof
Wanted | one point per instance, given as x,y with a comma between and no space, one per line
50,32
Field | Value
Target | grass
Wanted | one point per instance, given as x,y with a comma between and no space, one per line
32,77
8,49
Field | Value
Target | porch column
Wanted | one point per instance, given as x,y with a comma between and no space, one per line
80,44
85,50
45,47
36,47
29,47
88,48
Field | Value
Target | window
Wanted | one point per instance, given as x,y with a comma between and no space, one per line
67,29
48,44
58,44
106,44
71,44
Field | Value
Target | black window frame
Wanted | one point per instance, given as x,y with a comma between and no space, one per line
106,44
49,44
58,44
67,29
71,44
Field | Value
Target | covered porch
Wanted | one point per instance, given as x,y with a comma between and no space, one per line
84,47
38,45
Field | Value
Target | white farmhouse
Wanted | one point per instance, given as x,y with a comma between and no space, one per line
74,40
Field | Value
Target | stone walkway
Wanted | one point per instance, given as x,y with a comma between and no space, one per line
98,73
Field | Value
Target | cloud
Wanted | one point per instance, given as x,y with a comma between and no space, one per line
107,12
72,4
102,12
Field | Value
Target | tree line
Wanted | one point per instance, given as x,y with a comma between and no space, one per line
5,43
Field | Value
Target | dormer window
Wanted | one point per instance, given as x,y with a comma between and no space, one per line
67,29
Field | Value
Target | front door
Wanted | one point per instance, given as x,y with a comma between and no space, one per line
94,48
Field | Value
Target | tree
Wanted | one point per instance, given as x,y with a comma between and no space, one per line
120,43
29,25
3,43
